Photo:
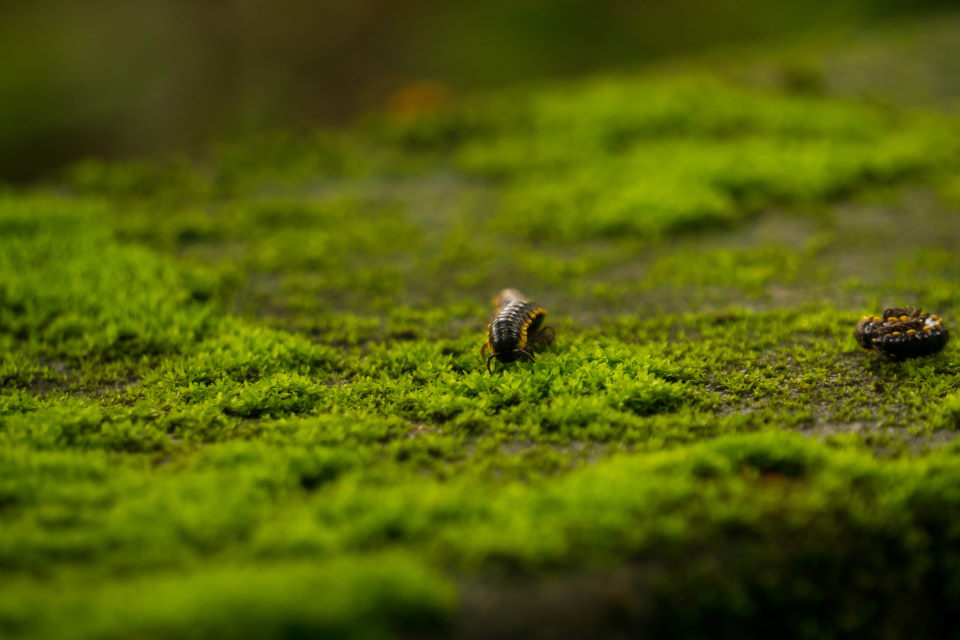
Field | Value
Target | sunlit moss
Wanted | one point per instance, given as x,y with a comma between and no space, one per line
244,397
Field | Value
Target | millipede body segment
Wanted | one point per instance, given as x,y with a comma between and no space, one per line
902,333
515,329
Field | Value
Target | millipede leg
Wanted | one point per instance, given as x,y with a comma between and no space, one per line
546,336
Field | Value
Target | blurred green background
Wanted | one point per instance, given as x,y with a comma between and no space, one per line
113,78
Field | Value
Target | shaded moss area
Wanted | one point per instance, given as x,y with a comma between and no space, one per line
244,397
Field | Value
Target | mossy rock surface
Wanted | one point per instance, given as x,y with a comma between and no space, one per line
243,397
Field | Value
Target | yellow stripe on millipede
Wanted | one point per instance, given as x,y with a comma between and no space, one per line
526,325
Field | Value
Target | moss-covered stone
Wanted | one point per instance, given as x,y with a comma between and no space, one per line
244,398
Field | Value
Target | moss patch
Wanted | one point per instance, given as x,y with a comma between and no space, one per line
244,398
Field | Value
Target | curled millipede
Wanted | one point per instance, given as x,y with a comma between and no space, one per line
902,333
515,329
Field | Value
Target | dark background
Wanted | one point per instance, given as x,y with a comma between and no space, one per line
115,78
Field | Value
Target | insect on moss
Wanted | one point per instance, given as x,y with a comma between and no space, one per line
516,329
902,333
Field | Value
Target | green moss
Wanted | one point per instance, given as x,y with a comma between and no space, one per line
244,397
652,158
365,598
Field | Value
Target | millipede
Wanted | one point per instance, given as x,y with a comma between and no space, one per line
515,329
902,333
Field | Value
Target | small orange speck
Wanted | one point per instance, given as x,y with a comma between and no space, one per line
422,98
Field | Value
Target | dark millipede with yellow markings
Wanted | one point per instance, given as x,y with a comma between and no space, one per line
902,333
516,329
